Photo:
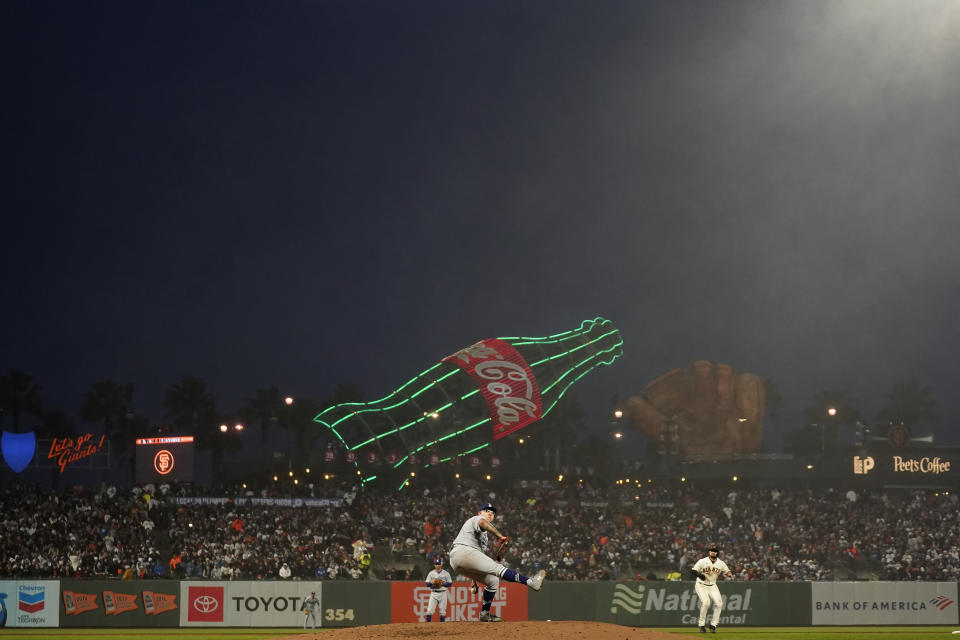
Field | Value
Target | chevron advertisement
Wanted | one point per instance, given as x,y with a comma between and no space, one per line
887,603
245,603
112,603
29,603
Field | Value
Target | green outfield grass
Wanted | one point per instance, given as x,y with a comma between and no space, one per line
820,633
725,633
154,634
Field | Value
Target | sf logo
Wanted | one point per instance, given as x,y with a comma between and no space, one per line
163,462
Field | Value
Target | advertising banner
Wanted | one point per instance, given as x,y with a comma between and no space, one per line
265,603
409,600
269,603
887,603
119,603
29,603
676,603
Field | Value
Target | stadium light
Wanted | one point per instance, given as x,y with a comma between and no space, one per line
288,400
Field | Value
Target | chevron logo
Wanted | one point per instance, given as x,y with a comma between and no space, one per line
30,602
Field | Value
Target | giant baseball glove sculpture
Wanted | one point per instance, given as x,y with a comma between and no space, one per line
704,409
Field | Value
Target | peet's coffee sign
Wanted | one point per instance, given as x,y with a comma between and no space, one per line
65,451
920,465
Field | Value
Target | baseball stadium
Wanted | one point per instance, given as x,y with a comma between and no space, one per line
463,499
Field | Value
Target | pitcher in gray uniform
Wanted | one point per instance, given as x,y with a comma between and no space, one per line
467,558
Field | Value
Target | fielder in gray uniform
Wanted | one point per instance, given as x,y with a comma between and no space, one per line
438,580
707,570
310,606
467,557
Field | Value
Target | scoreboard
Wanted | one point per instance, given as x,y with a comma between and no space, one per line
165,459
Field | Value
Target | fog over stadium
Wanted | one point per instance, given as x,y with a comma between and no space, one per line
321,192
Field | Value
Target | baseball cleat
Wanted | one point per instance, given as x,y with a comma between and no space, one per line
537,581
703,629
486,616
713,629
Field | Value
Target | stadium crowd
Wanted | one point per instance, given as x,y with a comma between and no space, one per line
574,532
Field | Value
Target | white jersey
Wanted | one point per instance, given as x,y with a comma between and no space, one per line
711,570
442,575
471,535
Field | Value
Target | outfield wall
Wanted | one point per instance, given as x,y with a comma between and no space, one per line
278,603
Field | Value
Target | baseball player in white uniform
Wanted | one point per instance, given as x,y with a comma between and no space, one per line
310,606
467,558
438,580
707,570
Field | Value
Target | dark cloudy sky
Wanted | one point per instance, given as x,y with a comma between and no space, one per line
297,193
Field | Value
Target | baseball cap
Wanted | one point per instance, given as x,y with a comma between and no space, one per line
486,506
438,560
713,547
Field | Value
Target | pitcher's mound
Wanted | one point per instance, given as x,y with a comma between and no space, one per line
560,630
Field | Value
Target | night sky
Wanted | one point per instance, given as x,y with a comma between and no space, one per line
301,193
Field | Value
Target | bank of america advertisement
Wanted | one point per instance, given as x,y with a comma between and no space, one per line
29,603
884,603
245,604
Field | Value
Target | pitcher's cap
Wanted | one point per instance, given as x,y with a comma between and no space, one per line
486,506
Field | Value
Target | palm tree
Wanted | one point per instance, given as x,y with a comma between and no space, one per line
191,407
346,392
55,424
908,403
830,410
562,424
265,409
773,402
299,418
109,403
19,395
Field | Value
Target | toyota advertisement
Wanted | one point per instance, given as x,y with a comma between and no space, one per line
245,604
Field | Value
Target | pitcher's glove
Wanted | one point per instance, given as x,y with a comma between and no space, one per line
436,583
